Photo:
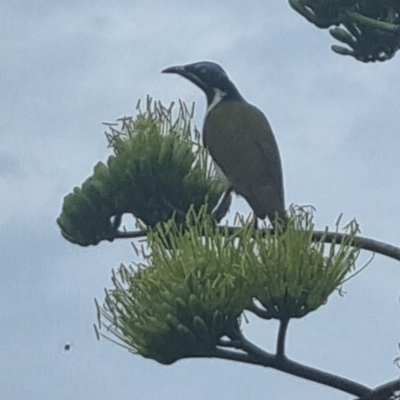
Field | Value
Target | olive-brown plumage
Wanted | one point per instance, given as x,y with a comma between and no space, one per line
240,141
246,151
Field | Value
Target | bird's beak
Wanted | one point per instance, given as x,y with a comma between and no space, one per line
179,69
183,71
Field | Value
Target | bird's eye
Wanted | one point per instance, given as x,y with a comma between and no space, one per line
203,70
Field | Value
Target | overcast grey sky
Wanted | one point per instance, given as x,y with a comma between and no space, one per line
67,66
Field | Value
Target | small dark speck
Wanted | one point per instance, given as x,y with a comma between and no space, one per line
67,348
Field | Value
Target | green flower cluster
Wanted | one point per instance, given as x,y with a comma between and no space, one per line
185,297
157,172
370,28
296,275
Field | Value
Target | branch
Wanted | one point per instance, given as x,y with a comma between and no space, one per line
364,243
257,356
130,234
361,242
383,392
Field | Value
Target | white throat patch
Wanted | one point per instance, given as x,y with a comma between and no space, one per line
218,96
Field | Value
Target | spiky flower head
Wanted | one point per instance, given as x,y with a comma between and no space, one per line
188,295
158,171
295,274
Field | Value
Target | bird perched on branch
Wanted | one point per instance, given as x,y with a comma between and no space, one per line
240,141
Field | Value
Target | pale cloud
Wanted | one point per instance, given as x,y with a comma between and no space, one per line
68,66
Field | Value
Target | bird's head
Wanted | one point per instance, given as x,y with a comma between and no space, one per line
209,77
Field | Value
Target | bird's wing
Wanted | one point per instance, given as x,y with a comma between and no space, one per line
240,140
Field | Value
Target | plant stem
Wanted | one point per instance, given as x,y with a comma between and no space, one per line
280,345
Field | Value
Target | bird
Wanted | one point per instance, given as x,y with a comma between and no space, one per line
240,141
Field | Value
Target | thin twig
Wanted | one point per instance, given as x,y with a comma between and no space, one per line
264,314
130,234
230,343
